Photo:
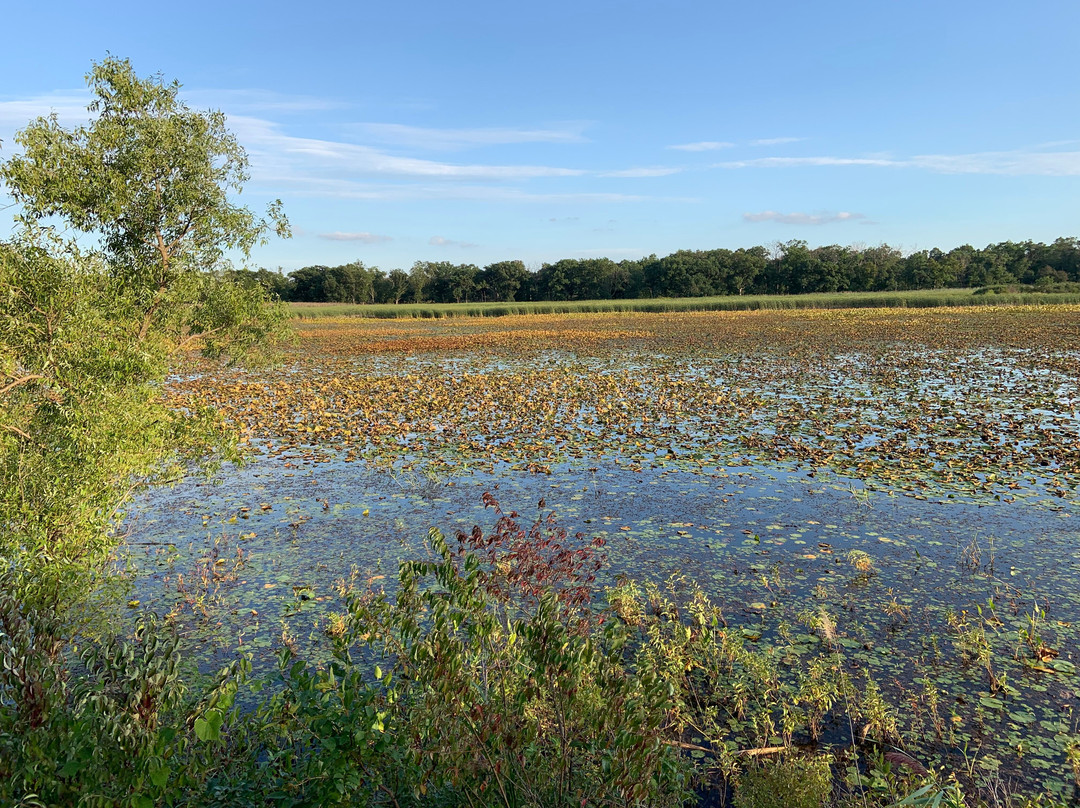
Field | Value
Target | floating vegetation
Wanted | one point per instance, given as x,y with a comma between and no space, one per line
880,497
924,402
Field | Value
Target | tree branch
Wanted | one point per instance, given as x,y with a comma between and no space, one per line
756,752
16,430
17,382
187,229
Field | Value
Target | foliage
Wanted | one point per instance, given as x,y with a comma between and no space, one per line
516,710
86,340
788,269
487,679
734,371
934,795
149,176
115,729
785,783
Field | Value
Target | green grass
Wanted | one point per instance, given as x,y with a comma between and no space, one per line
927,298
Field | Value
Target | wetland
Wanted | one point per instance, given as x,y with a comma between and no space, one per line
891,491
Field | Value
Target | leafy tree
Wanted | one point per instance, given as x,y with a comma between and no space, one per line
86,339
746,267
504,278
463,282
150,177
795,264
86,342
399,284
628,278
309,284
556,281
419,279
276,283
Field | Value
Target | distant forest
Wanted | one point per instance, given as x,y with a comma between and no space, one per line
789,268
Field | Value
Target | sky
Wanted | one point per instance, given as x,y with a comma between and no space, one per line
475,132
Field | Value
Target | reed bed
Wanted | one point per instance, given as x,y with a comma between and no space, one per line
837,300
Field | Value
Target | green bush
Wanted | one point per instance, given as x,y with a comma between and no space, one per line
508,692
788,782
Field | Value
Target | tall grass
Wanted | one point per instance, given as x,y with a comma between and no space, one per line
927,298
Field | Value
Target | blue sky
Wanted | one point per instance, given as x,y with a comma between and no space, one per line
481,131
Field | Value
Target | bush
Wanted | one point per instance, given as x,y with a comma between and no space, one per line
507,691
785,783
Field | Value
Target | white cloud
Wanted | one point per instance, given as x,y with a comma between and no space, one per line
775,141
704,145
69,106
798,162
714,145
274,152
1007,163
427,138
366,238
656,171
339,188
252,100
1015,163
282,162
802,218
439,241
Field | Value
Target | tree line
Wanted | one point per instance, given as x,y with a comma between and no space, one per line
787,268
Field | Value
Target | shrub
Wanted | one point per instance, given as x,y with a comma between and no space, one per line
785,783
503,697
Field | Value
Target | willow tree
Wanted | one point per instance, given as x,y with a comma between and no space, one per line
90,328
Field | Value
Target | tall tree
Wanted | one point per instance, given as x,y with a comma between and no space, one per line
399,284
88,339
149,176
504,278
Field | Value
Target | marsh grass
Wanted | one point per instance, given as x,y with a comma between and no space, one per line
927,298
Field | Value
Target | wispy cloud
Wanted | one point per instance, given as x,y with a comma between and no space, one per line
798,162
656,171
1038,163
703,145
69,106
283,162
448,139
352,188
775,141
802,218
365,238
252,101
715,145
439,241
1021,162
274,151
